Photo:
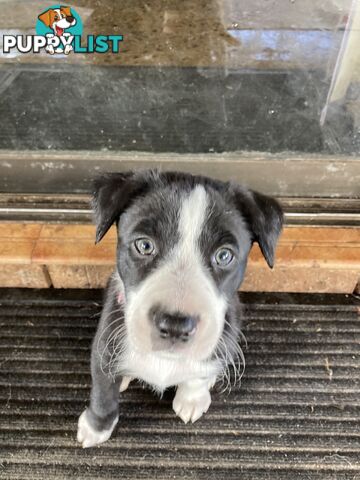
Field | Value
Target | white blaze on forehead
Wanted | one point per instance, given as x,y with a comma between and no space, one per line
186,263
192,216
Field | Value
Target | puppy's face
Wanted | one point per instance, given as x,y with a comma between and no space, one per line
181,255
182,252
58,19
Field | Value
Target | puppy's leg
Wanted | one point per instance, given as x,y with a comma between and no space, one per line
50,47
98,421
192,399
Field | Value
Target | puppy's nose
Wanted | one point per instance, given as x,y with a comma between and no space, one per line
175,326
70,19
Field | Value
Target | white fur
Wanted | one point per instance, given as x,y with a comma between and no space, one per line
125,382
163,371
87,436
192,400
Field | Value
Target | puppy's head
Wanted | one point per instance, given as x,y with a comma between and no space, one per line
183,243
58,19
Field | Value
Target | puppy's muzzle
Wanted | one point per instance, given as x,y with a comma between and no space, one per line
174,326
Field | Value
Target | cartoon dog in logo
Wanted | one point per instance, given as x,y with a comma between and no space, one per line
58,20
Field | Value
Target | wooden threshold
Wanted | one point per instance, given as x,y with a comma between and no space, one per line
309,259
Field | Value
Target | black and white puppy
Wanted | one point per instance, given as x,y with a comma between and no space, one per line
171,315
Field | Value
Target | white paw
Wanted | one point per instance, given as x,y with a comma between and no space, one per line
50,49
87,436
190,404
125,383
68,49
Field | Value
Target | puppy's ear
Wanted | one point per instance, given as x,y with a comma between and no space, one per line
66,10
264,217
112,193
46,17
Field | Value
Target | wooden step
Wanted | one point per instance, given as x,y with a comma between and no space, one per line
309,259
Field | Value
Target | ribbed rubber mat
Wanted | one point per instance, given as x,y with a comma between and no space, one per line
296,415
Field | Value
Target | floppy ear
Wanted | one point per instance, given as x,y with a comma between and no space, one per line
264,217
112,194
46,18
66,10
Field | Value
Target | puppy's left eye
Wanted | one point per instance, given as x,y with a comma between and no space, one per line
144,246
223,256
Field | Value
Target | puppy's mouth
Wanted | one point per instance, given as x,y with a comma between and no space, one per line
171,353
59,31
169,350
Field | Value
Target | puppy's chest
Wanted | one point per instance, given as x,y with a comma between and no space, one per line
161,372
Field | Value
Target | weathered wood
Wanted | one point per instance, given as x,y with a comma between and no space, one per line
308,259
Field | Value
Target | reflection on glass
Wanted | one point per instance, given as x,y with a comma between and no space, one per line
205,76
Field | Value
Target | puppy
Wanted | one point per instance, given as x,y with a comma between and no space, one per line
171,315
58,19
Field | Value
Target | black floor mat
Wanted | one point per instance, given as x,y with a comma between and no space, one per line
296,415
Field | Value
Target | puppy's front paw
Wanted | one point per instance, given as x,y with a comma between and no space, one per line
125,382
50,49
68,49
88,436
189,404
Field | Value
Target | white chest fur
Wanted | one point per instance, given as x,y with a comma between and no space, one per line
162,371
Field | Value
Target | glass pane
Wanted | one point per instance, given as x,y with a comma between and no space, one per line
190,77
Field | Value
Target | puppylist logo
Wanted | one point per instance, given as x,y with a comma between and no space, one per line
58,31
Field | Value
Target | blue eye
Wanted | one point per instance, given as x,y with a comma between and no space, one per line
144,246
223,256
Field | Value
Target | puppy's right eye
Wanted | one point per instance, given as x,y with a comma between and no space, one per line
224,256
144,246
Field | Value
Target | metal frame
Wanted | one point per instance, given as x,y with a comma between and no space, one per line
282,175
75,208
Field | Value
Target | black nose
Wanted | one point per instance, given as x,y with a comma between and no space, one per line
175,326
70,19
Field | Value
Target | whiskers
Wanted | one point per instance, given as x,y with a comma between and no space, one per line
231,357
114,345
